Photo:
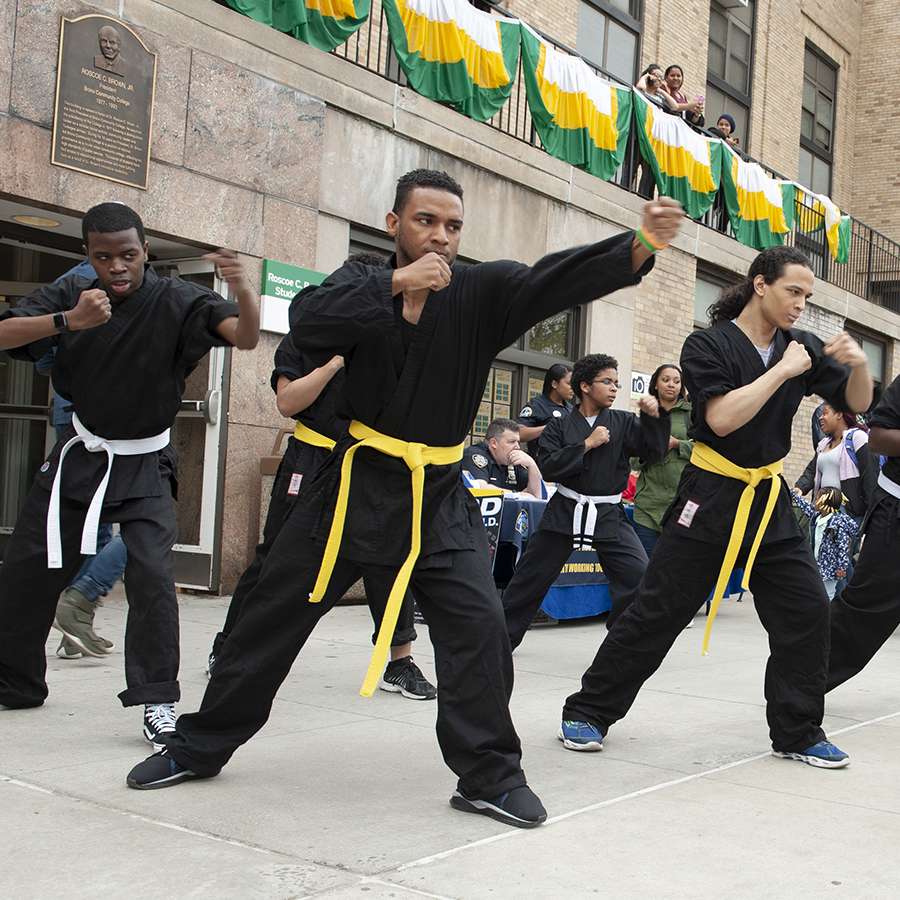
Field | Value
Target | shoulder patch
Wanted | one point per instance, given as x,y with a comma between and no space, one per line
526,412
557,414
480,460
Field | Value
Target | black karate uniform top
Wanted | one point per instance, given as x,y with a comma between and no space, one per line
715,361
479,463
887,415
125,379
599,472
424,382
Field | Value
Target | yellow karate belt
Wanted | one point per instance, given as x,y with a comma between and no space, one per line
704,457
416,456
313,438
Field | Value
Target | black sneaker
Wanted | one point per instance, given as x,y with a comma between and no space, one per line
403,676
159,771
520,807
159,720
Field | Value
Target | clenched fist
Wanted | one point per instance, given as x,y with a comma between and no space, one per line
598,437
662,218
92,309
428,273
230,268
846,351
796,359
649,406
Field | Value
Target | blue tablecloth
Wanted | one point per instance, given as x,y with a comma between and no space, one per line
520,517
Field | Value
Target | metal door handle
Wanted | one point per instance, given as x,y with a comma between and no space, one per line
209,407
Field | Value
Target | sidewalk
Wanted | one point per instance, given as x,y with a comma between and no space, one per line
341,797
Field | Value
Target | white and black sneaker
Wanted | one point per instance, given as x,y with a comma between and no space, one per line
519,807
403,676
159,720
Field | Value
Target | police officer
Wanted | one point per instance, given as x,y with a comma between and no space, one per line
500,461
554,401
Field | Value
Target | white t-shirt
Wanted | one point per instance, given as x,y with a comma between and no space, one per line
766,354
590,420
828,465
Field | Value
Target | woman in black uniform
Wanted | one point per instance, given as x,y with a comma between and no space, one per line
554,401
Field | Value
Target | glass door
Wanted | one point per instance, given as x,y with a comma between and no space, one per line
198,437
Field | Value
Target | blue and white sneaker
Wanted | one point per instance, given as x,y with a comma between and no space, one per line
580,736
824,755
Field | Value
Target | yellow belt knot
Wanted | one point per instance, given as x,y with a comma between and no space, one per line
704,457
416,456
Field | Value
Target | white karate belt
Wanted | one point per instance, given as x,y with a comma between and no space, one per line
584,519
886,484
95,444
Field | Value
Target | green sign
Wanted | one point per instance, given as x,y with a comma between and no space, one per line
280,283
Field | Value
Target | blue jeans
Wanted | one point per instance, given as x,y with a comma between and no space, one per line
99,573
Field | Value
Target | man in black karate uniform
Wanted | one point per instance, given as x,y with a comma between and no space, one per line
867,612
125,343
500,461
746,375
586,452
314,384
418,340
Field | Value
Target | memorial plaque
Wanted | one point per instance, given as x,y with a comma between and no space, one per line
103,115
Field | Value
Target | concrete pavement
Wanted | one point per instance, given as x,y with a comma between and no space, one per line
341,797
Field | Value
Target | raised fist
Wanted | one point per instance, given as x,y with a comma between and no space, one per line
428,273
796,359
92,309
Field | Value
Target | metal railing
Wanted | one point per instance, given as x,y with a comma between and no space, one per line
872,270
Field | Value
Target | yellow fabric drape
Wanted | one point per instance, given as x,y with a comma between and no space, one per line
416,456
704,457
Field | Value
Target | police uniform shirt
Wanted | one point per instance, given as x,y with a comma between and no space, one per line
428,389
540,410
720,359
479,463
125,379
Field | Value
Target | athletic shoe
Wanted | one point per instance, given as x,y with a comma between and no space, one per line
580,736
210,665
67,650
75,619
159,720
520,807
403,676
159,771
823,755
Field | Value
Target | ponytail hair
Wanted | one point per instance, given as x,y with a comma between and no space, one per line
556,372
770,264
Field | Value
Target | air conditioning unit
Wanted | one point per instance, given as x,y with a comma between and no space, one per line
731,4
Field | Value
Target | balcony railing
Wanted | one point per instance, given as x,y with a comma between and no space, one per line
873,268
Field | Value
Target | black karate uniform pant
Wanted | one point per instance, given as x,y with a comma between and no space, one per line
623,559
280,506
29,592
867,612
790,601
472,657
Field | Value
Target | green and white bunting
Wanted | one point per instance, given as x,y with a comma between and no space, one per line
580,117
454,53
686,165
324,24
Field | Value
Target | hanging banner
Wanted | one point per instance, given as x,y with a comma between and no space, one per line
815,212
580,117
760,208
454,53
324,24
686,165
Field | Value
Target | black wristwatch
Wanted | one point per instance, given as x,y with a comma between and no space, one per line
60,323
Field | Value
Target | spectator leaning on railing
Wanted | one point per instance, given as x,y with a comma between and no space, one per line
652,85
691,109
724,129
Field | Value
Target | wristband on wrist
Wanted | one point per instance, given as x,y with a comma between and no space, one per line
649,240
60,322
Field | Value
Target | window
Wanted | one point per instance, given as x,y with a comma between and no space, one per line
707,288
875,349
608,33
728,64
817,120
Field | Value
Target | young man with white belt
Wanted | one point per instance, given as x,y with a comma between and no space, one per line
125,341
587,454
